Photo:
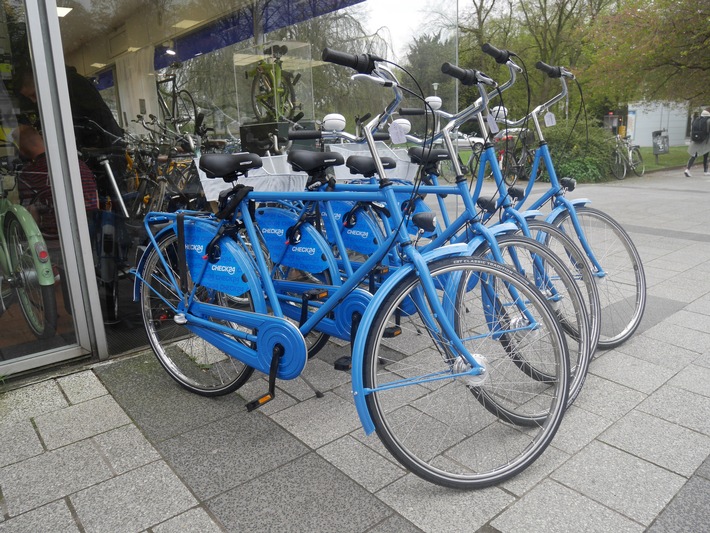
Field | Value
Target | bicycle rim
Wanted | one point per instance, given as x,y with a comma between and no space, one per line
447,431
622,288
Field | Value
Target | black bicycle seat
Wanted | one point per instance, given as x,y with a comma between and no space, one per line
228,166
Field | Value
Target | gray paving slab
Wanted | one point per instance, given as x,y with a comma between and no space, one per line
193,521
689,511
632,486
81,386
553,508
693,378
32,400
395,524
676,448
55,516
437,509
20,441
630,371
578,428
149,396
80,421
52,475
682,336
216,457
608,399
658,352
308,494
680,406
361,463
318,421
133,501
125,448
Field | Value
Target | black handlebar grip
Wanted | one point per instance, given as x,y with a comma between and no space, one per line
411,111
363,63
303,135
381,136
465,76
552,72
501,56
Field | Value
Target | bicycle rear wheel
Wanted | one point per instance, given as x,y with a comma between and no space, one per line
435,419
637,162
622,285
38,302
195,364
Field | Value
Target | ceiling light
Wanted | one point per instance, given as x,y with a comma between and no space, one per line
186,23
170,52
63,11
132,49
98,65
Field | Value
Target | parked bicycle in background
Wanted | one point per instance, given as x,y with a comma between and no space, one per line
625,156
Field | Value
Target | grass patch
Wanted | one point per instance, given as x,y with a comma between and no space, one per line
677,156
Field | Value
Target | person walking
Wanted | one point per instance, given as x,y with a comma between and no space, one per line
699,141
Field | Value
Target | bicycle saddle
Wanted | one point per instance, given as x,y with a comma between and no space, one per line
365,165
313,162
422,155
229,166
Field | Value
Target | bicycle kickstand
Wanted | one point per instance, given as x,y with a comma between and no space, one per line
273,370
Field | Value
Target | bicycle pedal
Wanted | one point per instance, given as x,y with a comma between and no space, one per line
345,363
381,269
262,400
391,332
315,294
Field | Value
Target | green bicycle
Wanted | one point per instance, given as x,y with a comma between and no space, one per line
273,97
25,267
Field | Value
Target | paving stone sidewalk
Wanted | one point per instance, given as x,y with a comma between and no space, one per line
119,447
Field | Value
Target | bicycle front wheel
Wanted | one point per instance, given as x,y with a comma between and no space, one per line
622,282
443,424
555,283
38,302
636,162
195,364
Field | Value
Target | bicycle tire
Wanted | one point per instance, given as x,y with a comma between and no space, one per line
38,302
195,364
509,168
622,290
440,430
617,165
636,162
555,283
262,90
565,248
185,107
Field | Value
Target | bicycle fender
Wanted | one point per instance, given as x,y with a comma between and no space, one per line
561,208
358,347
502,228
44,271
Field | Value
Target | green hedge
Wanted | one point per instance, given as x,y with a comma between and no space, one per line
582,153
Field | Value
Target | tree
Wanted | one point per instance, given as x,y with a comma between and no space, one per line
654,49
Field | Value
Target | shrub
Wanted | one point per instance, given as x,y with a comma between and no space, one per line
582,153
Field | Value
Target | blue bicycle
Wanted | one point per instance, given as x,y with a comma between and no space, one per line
443,331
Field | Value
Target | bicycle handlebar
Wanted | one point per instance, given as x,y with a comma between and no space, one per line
363,63
501,56
553,72
467,76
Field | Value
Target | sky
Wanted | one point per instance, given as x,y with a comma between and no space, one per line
405,18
